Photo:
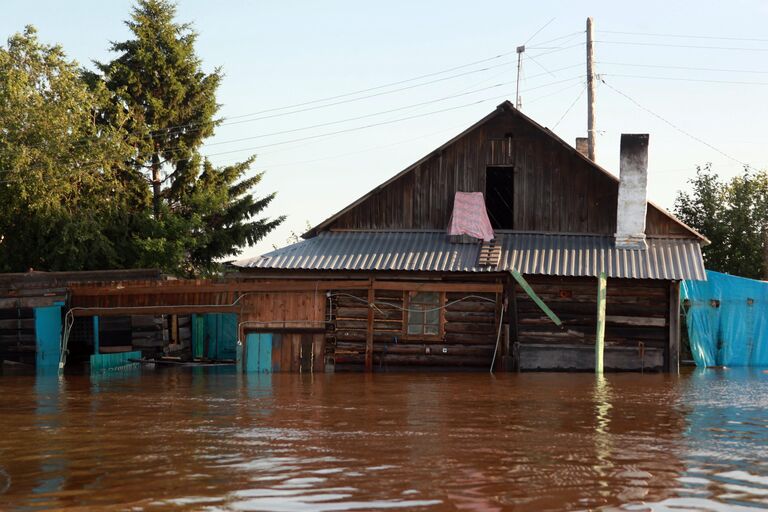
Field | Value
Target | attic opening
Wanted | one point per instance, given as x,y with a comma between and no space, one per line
499,196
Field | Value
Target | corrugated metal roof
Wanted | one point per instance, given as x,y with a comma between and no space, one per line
528,253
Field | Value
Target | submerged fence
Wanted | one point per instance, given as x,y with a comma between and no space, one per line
727,319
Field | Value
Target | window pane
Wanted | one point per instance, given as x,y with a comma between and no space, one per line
432,299
433,317
431,329
414,328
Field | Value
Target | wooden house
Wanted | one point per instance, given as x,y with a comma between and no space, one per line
392,290
381,285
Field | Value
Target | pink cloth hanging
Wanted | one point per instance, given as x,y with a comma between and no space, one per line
470,217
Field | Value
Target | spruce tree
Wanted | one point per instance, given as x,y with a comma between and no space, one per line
201,213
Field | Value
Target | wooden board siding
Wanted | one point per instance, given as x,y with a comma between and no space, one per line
637,312
17,335
283,310
466,336
298,352
555,190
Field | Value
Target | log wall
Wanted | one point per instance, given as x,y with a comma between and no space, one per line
466,339
637,320
17,335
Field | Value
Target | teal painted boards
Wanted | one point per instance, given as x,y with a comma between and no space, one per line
48,337
258,353
221,335
101,362
198,335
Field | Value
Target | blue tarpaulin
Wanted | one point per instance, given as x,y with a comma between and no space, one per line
727,319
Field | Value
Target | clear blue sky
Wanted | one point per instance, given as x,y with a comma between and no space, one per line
280,53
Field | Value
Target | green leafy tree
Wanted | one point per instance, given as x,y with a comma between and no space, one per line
734,216
202,213
62,185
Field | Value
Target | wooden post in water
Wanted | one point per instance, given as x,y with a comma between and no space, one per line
600,337
369,331
95,334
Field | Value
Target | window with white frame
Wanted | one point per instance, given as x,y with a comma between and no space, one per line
424,313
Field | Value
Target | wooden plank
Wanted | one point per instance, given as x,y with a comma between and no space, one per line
154,310
163,287
305,364
600,335
277,352
673,351
286,353
369,332
318,353
295,353
527,288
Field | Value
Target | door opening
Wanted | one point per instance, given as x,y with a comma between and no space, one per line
499,196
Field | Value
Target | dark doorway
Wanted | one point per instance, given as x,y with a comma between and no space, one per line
499,196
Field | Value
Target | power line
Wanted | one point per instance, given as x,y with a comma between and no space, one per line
537,32
690,46
391,84
357,118
684,36
85,141
581,93
352,129
673,125
687,68
365,116
682,79
347,130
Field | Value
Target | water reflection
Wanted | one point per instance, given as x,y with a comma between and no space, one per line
214,439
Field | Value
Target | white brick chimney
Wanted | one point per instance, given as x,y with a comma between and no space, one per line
633,187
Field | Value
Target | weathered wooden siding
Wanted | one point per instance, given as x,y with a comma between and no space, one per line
637,318
284,310
555,189
17,335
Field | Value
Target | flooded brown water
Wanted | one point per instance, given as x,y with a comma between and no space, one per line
209,439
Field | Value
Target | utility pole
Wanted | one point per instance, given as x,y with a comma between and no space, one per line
518,99
591,90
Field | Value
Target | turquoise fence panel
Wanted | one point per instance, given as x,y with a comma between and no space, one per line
265,353
226,348
48,337
258,353
198,336
101,362
220,335
727,320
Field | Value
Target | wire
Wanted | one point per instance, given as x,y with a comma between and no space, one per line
636,43
382,123
683,36
356,128
581,93
687,68
220,123
684,132
537,32
681,79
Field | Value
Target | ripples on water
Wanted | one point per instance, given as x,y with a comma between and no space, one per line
208,439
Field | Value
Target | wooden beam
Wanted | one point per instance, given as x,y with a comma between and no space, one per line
208,287
369,330
155,310
602,283
439,287
535,298
673,353
286,285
